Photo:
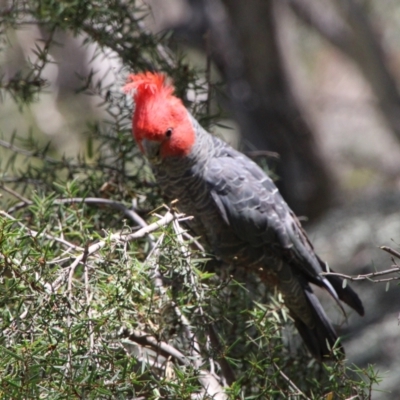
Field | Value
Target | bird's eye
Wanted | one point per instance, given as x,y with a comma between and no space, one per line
168,133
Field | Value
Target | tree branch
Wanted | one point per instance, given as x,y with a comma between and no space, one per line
369,276
209,383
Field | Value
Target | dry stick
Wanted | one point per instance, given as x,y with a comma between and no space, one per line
163,348
89,297
207,380
391,251
369,276
129,213
158,283
290,382
226,369
132,215
15,194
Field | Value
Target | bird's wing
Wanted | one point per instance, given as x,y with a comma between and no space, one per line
250,203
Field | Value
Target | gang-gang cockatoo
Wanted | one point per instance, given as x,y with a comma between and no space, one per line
238,212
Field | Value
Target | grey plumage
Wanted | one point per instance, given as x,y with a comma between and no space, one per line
240,215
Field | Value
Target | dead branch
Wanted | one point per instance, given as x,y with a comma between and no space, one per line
291,383
391,251
370,277
209,383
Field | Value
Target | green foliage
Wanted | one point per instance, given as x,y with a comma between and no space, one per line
92,307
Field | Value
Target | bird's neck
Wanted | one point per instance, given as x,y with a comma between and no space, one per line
196,160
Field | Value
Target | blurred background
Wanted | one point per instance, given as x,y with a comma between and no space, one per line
309,88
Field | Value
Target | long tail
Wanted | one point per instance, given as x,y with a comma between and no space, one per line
347,294
310,319
318,334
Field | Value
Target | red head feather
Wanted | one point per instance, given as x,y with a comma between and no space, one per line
158,111
146,85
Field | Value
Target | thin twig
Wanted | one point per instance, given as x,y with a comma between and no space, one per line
54,286
89,296
391,251
162,348
15,194
263,153
188,236
291,383
195,350
226,369
369,276
206,379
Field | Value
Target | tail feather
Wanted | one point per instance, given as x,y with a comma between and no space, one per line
309,317
320,337
347,294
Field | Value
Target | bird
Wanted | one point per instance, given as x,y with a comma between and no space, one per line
238,212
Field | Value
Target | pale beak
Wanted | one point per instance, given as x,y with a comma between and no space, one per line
151,149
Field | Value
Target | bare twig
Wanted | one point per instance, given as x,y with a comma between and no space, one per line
369,276
89,296
15,194
209,383
68,272
263,153
291,383
158,283
226,369
391,251
162,348
206,379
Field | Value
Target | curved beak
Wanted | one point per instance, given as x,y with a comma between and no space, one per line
151,149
